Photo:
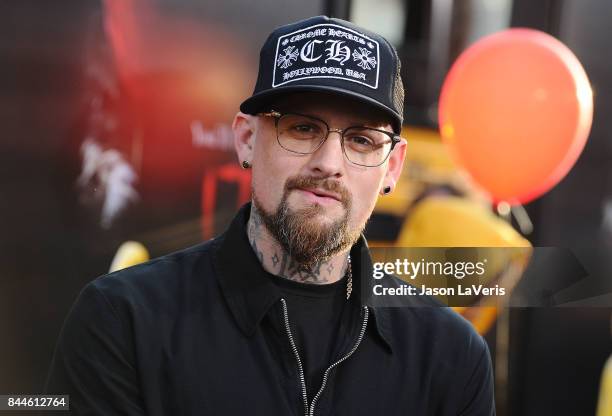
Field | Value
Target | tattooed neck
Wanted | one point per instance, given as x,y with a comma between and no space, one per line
277,261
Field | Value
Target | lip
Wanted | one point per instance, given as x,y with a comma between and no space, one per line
321,193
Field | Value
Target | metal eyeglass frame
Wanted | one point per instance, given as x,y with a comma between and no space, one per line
395,139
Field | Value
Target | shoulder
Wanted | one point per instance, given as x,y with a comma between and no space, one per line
449,349
434,322
444,345
438,327
157,282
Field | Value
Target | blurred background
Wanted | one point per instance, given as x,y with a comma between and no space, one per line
116,127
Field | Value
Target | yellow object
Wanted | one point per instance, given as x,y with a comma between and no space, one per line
456,222
129,254
604,406
446,221
449,221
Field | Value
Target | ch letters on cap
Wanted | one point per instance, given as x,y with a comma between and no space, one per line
326,51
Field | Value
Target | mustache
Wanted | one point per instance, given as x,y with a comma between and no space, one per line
330,185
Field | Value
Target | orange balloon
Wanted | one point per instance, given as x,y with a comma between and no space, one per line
516,109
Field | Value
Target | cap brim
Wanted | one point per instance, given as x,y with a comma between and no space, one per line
260,101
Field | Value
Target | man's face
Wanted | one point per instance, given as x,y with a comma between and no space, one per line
315,205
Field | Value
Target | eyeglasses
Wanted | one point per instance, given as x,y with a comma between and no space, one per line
302,134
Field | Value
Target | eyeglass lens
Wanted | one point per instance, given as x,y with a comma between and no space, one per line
362,145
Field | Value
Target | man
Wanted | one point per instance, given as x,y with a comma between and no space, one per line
269,318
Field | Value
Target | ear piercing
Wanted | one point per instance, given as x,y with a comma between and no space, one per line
246,164
386,190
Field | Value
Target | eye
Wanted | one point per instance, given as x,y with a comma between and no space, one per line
305,128
361,140
359,143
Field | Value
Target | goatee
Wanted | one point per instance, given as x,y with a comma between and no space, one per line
304,239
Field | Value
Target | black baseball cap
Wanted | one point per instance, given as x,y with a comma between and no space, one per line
329,55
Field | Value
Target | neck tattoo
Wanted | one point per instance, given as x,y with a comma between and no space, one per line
274,259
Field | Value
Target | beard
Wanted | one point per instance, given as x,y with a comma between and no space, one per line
304,239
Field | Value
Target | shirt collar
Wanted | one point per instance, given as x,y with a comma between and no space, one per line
250,293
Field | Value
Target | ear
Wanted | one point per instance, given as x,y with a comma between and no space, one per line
244,128
395,165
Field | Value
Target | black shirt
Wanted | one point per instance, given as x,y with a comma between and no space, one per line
315,312
201,332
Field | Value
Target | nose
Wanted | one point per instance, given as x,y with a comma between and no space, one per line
328,159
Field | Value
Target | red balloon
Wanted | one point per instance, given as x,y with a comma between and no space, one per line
516,109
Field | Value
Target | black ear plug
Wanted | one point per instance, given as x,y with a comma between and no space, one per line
386,190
